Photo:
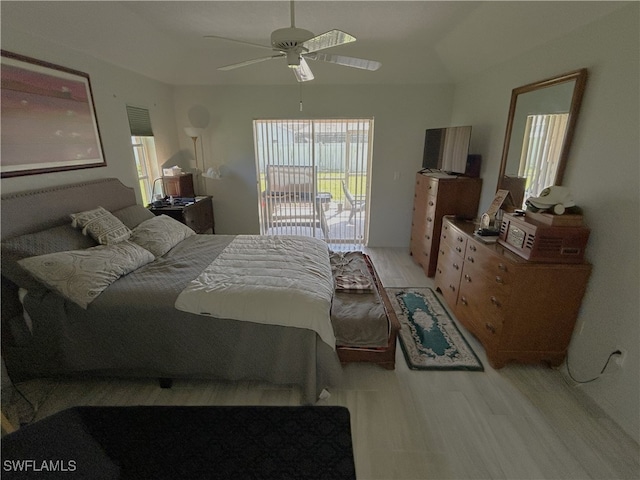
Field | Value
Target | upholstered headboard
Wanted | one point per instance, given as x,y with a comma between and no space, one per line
35,210
44,210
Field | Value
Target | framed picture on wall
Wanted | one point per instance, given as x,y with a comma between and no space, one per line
48,118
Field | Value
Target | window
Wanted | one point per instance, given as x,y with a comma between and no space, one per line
144,155
144,150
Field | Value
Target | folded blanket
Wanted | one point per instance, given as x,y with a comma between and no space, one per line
353,283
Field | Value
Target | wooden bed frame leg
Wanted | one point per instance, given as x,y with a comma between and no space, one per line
165,382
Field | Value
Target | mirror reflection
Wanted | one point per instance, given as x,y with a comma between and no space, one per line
541,120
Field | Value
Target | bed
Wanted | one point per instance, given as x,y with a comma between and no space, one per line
132,327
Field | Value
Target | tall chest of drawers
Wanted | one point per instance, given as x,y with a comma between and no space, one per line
434,198
520,311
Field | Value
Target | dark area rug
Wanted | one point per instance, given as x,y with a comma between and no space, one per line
429,338
157,442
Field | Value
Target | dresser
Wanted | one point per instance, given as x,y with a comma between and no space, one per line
519,310
197,215
434,198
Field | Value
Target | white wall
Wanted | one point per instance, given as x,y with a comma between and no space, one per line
603,175
401,115
113,88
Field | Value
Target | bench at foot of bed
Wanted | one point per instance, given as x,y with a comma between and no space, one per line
384,353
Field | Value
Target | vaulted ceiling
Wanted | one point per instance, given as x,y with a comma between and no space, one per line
416,41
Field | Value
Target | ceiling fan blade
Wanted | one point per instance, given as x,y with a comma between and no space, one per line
249,62
239,41
302,72
361,63
329,39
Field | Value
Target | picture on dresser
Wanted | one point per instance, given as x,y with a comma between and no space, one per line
48,118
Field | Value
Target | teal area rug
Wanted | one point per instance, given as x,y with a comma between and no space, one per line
429,337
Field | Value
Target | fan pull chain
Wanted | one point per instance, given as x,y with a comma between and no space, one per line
300,96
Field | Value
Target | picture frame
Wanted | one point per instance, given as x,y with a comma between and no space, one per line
49,122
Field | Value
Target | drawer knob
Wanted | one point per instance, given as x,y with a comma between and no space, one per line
441,252
458,249
470,258
490,327
456,266
495,301
431,203
499,279
429,219
463,301
452,287
460,239
472,248
502,267
467,277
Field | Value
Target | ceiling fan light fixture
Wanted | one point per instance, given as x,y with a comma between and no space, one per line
303,73
293,59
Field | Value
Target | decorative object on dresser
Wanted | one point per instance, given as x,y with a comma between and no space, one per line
429,337
520,310
542,242
437,195
196,213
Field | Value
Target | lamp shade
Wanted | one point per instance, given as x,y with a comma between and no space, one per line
193,132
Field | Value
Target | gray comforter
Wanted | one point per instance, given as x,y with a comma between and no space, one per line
133,329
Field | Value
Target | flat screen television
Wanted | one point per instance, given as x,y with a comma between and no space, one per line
446,149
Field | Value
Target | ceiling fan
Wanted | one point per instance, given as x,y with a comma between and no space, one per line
298,45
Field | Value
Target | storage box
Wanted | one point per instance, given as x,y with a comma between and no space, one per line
172,172
566,220
538,242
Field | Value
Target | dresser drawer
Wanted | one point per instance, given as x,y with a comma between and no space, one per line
496,284
454,237
481,308
448,272
493,266
426,184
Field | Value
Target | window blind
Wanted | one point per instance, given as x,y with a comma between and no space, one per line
139,121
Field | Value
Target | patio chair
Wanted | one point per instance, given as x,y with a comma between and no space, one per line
291,197
358,203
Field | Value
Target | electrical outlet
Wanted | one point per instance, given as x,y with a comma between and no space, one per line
619,358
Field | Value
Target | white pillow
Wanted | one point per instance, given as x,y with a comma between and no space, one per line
103,226
160,234
82,275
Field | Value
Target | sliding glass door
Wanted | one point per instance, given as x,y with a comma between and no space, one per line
313,178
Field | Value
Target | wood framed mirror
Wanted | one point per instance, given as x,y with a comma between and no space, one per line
540,127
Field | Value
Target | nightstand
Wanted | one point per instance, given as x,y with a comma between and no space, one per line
197,215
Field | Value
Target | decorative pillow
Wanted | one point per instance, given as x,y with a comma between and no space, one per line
133,215
101,225
160,234
56,239
82,275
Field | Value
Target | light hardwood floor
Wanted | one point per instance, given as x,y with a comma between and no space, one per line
520,422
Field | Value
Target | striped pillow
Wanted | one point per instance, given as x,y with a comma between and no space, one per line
105,228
